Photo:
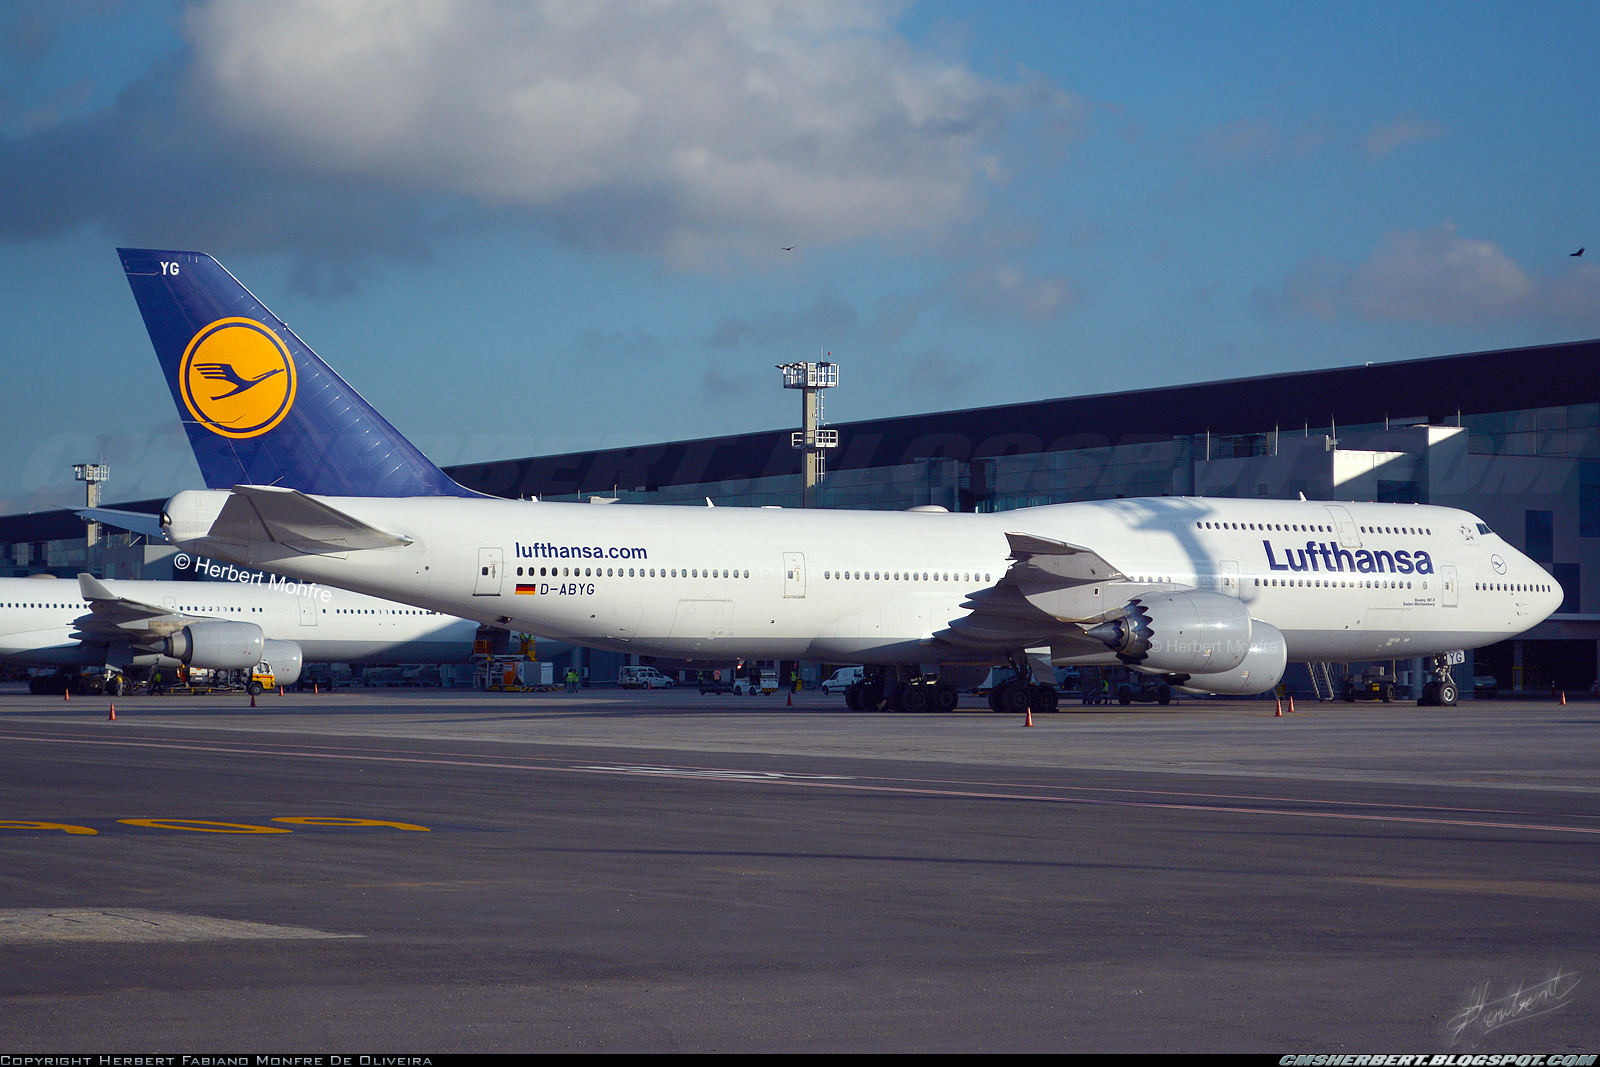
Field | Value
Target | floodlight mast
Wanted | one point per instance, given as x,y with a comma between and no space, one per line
92,475
811,379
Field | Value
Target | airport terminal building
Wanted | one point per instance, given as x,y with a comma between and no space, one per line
1512,435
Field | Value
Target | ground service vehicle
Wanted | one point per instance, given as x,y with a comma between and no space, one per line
639,677
841,679
1374,684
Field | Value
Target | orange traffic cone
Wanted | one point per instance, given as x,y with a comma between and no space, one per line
113,716
314,689
1279,713
791,698
1291,703
252,702
1563,698
280,690
1028,721
66,694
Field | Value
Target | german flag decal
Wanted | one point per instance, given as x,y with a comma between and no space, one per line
531,590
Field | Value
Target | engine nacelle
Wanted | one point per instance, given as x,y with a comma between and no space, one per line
217,646
1262,668
1195,632
285,659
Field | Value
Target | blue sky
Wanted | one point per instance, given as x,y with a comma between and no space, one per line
526,227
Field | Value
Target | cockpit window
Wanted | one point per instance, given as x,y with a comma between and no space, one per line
1483,529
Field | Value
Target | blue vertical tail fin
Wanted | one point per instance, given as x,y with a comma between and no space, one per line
259,406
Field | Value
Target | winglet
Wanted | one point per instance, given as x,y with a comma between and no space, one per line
91,588
1044,558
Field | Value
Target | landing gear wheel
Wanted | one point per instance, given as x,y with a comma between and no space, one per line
994,697
1430,695
945,697
852,696
916,698
1014,698
1043,697
1125,696
872,697
1165,696
1448,694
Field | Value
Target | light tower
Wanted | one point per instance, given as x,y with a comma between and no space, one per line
92,475
811,379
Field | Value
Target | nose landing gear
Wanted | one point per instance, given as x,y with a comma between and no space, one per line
1440,690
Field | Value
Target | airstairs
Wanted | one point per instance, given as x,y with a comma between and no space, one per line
1327,679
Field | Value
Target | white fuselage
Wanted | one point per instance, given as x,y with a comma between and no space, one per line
331,625
1342,581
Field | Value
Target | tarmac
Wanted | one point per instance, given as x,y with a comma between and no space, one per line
435,871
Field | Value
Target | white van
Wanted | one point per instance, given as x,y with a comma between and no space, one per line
642,678
841,679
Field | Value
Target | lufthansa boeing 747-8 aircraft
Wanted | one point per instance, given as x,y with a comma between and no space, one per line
1215,595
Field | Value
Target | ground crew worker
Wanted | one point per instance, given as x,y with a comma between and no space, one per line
572,679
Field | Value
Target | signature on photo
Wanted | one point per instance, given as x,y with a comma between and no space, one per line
1481,1015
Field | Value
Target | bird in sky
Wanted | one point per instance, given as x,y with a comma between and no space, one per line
790,248
1579,252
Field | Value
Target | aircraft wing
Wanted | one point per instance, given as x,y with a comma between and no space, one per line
1049,588
256,513
1068,583
111,615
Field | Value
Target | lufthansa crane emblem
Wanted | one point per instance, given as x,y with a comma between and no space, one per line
237,378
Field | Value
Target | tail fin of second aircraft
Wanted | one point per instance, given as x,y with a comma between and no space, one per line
260,407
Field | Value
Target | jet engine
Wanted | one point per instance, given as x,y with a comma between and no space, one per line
285,659
1195,632
218,646
1262,668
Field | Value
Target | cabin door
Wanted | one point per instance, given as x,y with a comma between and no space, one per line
491,567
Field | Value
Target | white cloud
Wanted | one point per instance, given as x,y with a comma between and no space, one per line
828,320
1402,130
730,125
992,290
1009,291
934,372
1255,142
1575,293
1438,276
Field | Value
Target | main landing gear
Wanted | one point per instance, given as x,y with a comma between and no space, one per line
1016,696
900,689
1021,693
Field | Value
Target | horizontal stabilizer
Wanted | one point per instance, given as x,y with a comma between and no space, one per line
139,522
256,513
